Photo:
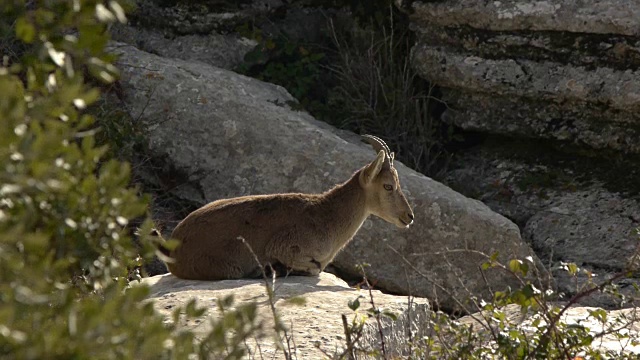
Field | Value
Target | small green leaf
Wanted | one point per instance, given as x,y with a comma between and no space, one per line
355,304
193,311
514,265
90,96
494,257
572,268
25,31
599,314
529,291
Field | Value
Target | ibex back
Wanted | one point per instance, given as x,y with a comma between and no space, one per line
300,233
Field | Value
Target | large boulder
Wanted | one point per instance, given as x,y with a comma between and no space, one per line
221,33
214,134
559,70
570,208
311,309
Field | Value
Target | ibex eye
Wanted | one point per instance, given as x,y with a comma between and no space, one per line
388,187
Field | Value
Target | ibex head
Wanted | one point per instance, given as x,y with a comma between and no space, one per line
382,187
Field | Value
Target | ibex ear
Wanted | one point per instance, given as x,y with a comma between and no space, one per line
373,169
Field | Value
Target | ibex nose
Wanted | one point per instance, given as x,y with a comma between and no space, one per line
410,216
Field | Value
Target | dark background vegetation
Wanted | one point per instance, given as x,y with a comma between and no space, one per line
356,75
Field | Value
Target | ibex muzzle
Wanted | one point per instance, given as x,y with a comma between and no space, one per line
293,233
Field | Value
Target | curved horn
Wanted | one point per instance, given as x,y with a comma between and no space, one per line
378,144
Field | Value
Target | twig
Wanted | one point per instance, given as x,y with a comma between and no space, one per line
376,314
347,334
544,339
440,287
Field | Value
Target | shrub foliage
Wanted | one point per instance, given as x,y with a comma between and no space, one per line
65,248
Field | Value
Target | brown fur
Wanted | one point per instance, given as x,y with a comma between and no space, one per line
298,232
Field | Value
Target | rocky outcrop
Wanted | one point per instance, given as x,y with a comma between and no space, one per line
221,33
311,310
224,51
216,134
570,209
190,31
553,88
609,219
310,307
205,17
552,69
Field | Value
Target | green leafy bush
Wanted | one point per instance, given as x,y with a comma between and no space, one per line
65,247
524,322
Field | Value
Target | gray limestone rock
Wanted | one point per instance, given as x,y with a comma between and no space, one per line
588,16
191,17
224,51
566,209
529,79
591,226
574,122
565,71
557,75
315,324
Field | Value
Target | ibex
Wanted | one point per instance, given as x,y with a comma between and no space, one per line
300,233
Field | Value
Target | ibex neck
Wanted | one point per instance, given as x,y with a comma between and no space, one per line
345,205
